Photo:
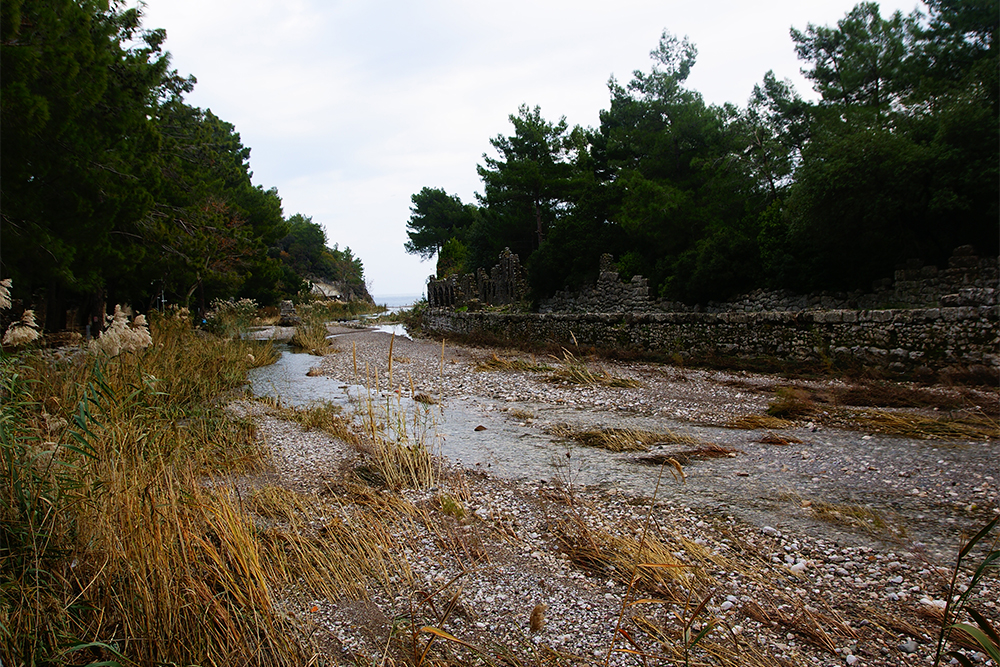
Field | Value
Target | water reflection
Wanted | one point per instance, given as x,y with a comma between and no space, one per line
504,446
287,380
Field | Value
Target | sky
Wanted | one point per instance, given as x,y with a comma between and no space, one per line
351,107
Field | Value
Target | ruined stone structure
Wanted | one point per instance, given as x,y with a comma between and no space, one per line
609,295
968,281
924,319
899,340
505,285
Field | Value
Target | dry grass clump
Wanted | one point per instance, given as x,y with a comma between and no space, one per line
855,516
324,416
882,394
523,415
574,371
115,547
312,333
974,427
665,616
394,448
770,438
894,395
792,402
708,450
796,402
313,337
323,546
615,555
753,422
618,439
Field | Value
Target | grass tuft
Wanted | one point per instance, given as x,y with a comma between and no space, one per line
792,402
975,427
324,416
753,422
684,456
425,398
117,538
574,371
618,439
770,438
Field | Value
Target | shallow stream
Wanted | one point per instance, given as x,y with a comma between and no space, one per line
764,484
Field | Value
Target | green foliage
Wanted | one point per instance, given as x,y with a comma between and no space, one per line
890,171
231,318
436,218
452,258
897,160
304,255
212,225
526,187
115,189
861,62
79,147
984,633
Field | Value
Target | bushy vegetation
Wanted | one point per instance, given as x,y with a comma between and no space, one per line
897,159
311,333
124,536
115,190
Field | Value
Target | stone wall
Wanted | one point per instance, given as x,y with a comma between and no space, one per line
899,340
923,318
609,295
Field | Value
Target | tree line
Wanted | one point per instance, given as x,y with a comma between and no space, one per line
897,159
115,189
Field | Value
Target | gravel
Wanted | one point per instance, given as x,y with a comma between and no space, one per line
790,584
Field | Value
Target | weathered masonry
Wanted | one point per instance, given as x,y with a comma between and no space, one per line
957,325
899,340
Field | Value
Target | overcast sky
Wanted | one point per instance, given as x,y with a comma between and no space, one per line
349,108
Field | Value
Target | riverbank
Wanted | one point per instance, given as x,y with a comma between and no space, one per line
819,545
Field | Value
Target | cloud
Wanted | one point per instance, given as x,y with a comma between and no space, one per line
351,107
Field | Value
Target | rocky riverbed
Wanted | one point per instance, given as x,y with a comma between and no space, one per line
818,539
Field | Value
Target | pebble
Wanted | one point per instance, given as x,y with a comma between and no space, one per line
829,571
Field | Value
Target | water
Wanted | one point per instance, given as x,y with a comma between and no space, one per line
287,381
504,447
396,329
753,485
397,302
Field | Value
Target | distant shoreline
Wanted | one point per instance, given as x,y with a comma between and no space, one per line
396,300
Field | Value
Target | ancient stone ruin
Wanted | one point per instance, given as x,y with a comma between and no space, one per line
924,319
969,280
506,284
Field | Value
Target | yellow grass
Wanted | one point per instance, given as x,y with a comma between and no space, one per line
618,439
127,528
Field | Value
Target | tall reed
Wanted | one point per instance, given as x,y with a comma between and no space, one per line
120,536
